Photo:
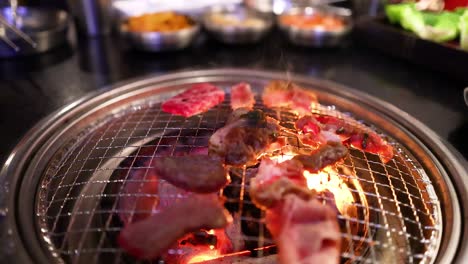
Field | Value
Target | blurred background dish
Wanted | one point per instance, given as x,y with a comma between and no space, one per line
278,7
46,27
319,26
128,8
160,31
235,24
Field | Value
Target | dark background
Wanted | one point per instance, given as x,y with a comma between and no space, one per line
33,87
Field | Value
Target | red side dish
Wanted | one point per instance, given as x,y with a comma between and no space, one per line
315,21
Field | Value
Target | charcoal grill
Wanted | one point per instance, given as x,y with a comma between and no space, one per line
63,182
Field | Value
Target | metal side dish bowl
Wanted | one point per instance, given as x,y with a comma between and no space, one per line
236,24
155,41
46,27
323,26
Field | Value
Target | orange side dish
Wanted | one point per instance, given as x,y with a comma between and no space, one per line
315,21
159,22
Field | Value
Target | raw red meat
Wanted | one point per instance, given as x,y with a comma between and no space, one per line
305,231
242,96
149,238
198,99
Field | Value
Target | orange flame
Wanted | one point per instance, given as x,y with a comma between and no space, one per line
328,179
283,157
210,254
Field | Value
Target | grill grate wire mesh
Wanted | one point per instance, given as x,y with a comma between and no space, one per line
398,213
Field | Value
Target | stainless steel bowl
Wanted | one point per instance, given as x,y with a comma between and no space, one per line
242,33
317,37
47,27
160,41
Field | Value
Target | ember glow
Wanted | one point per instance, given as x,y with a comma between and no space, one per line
204,256
210,254
283,157
328,179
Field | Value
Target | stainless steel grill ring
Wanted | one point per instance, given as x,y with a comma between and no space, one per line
62,184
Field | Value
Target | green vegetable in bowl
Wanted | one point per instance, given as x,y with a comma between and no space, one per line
394,12
412,20
460,10
445,28
463,26
430,18
439,27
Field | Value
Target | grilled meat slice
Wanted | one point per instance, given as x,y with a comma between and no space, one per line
198,99
201,174
359,138
142,196
244,138
312,134
149,238
305,231
372,143
275,180
286,94
242,96
325,155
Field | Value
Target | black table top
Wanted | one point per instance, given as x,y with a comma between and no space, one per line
32,88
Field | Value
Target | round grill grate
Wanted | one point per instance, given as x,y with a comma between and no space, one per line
390,211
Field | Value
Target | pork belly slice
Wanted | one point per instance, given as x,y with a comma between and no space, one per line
246,136
200,174
242,96
305,231
151,237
